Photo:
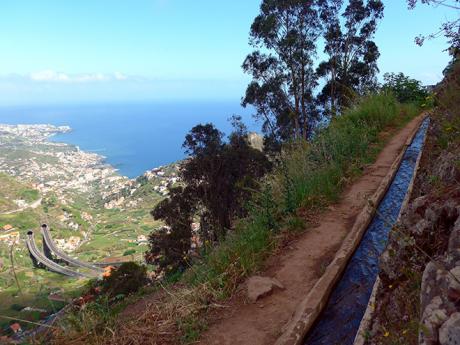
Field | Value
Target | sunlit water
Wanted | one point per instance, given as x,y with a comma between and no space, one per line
133,137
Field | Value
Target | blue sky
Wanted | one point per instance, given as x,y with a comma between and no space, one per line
64,51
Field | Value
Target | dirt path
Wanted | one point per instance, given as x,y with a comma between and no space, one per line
33,205
299,265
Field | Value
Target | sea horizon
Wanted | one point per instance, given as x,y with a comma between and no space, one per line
133,137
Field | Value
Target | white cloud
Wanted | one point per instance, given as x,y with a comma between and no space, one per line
91,77
49,75
53,76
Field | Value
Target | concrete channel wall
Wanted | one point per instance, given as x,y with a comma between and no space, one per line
314,303
368,315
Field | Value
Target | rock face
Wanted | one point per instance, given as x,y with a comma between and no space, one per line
259,287
425,242
449,334
440,291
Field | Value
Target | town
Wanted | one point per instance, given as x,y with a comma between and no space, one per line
62,169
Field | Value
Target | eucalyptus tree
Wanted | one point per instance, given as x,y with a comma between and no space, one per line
284,36
351,64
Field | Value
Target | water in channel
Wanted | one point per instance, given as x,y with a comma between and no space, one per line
339,322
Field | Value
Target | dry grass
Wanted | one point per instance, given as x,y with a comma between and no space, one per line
175,314
317,172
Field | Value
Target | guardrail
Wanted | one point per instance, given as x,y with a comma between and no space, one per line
48,241
40,258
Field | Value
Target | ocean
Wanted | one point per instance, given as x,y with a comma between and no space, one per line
134,137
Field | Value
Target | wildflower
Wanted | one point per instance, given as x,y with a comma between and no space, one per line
386,334
404,331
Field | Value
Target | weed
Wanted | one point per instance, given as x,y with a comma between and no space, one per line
311,175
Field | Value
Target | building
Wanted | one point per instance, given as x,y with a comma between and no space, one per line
16,327
142,239
8,227
10,239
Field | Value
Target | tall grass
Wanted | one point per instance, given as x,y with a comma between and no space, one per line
317,171
309,175
448,99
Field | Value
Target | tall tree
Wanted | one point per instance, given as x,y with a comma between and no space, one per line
219,176
404,88
221,173
351,64
284,36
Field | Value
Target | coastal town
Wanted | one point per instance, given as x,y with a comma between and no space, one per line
52,167
95,213
64,172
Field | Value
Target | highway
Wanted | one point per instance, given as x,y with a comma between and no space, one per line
63,256
51,265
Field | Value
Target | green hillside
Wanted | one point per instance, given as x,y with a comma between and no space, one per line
105,233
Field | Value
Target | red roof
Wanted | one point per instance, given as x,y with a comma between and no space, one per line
16,327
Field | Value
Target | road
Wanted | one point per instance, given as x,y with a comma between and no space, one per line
51,265
33,205
63,256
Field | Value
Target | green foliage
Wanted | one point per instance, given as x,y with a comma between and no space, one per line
91,321
316,172
129,252
24,220
50,201
284,36
448,99
17,307
126,279
350,67
29,195
169,245
191,327
241,253
406,90
11,189
219,177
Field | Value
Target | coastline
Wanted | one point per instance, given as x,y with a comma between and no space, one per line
94,211
65,170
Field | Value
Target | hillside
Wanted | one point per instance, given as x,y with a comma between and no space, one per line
314,192
416,301
212,292
15,195
86,221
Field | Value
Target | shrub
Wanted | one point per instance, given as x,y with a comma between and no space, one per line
220,177
17,307
448,99
168,250
405,89
129,252
310,174
315,170
126,279
169,245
